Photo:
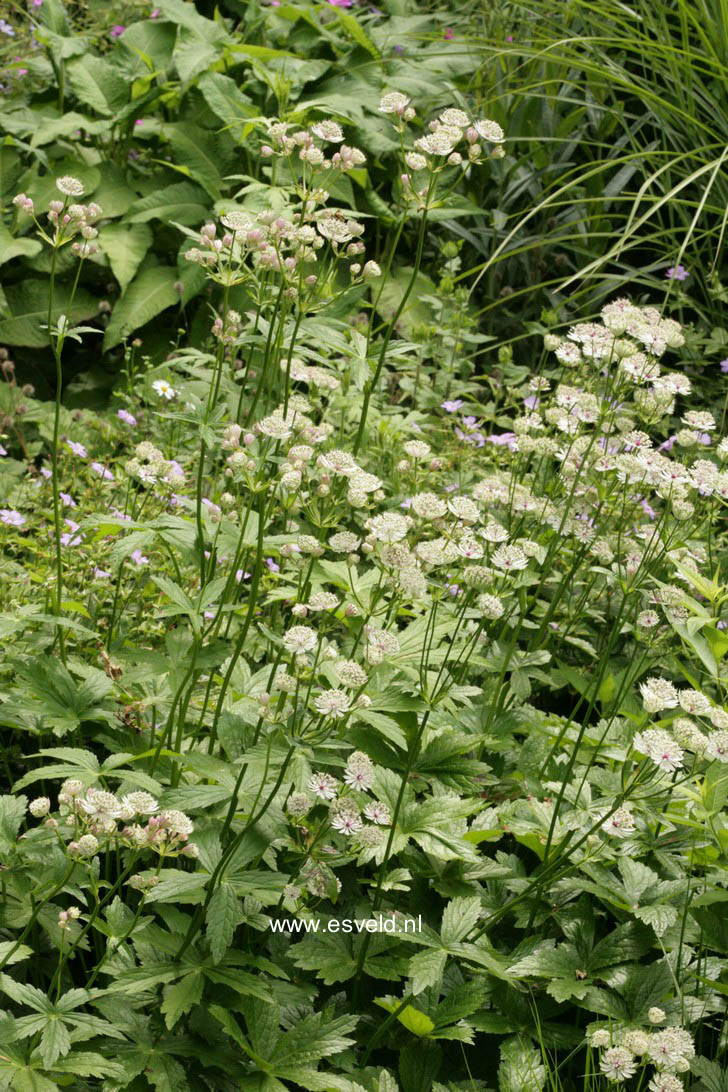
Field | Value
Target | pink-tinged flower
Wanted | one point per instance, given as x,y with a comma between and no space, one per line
724,365
2,450
101,574
532,402
77,449
138,558
12,518
70,538
340,3
676,273
46,472
509,37
37,3
117,31
668,444
240,575
452,406
449,34
67,500
272,565
126,417
323,785
346,824
103,472
155,13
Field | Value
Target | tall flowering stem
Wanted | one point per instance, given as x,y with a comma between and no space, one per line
66,221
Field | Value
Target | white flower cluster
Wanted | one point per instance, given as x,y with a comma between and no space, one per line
625,1050
90,818
150,467
68,219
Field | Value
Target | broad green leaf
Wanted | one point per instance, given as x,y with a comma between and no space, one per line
125,245
28,311
356,31
225,98
181,201
97,84
203,153
17,246
151,292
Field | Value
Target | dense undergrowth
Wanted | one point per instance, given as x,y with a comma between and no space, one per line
363,482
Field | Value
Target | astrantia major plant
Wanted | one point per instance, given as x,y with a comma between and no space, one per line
306,631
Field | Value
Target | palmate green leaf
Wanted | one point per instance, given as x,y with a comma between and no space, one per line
221,919
180,997
521,1068
312,1038
27,311
55,1041
125,245
151,292
660,917
459,917
12,952
713,1078
426,968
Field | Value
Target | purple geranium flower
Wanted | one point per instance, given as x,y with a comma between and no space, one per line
452,406
67,500
101,574
138,558
117,30
11,517
724,365
126,417
103,471
676,273
77,449
272,565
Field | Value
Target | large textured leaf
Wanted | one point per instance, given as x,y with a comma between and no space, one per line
28,311
150,293
182,201
125,246
205,155
17,246
224,98
97,84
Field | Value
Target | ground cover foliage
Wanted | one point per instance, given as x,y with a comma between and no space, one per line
363,483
